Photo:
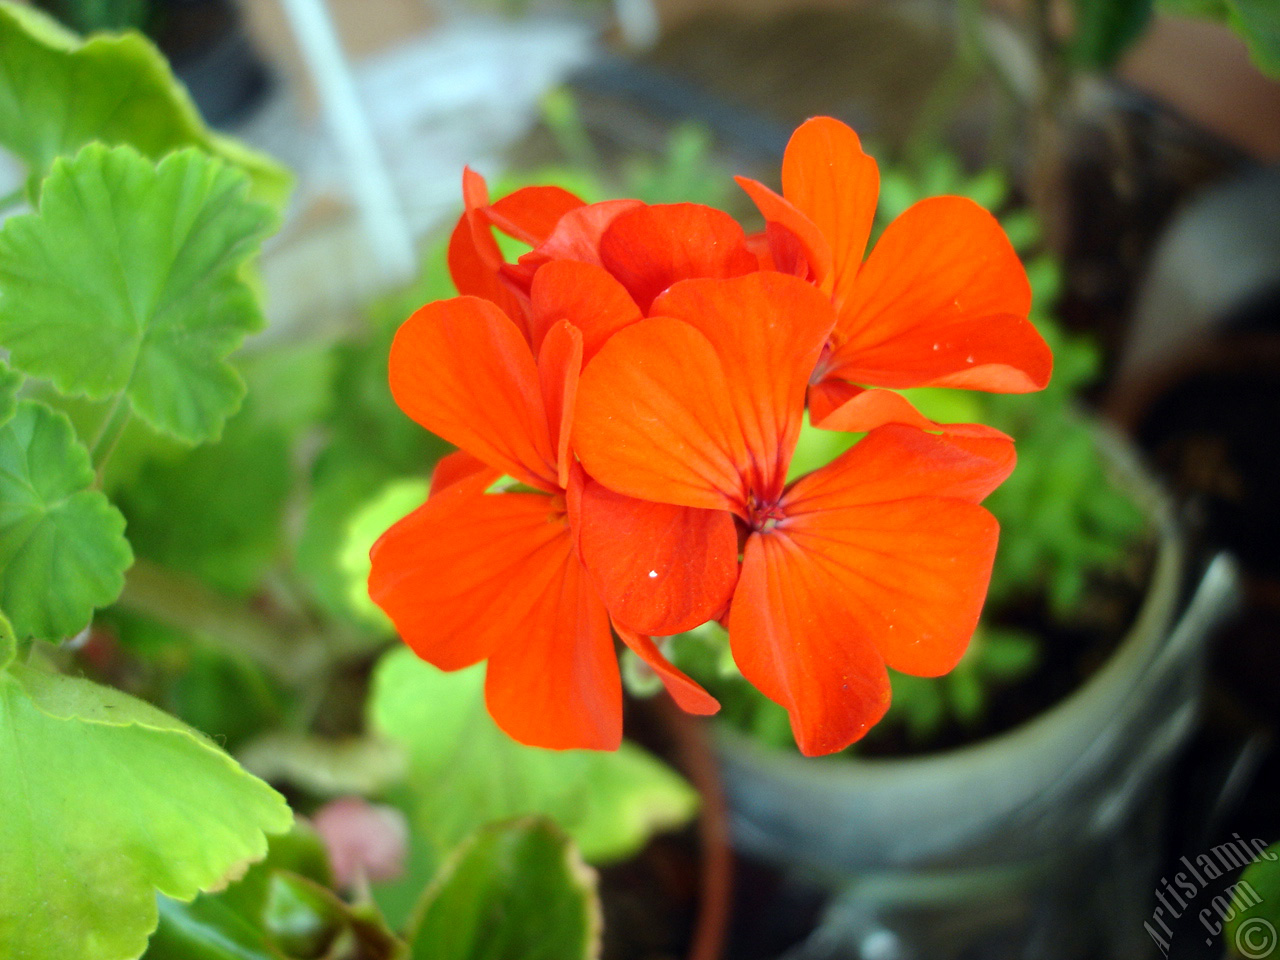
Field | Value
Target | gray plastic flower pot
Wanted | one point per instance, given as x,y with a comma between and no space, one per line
1040,842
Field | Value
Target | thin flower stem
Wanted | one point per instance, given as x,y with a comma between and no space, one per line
108,435
299,653
105,426
954,83
186,603
1048,168
110,447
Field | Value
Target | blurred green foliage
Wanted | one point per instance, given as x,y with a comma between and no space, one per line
90,16
516,889
244,486
465,772
684,170
1257,22
59,93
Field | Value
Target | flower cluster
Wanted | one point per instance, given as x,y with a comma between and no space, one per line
626,398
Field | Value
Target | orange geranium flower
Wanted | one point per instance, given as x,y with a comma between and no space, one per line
475,575
626,398
880,558
942,300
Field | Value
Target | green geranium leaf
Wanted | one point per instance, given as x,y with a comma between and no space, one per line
59,93
465,772
8,643
10,380
129,278
1106,28
208,928
216,512
108,800
518,891
1258,22
230,924
1255,907
62,545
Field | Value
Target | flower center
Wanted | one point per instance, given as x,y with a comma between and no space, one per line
763,514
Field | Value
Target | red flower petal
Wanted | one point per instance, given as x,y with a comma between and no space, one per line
790,233
838,405
652,409
475,262
555,682
704,413
475,192
896,462
685,691
559,367
760,246
795,638
463,370
882,558
661,569
768,331
651,247
585,295
576,237
466,572
832,182
461,467
999,354
473,273
941,301
912,574
530,214
895,523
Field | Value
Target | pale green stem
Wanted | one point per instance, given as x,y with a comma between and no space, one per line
188,604
109,430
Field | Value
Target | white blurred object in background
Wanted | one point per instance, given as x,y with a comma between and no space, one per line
398,127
